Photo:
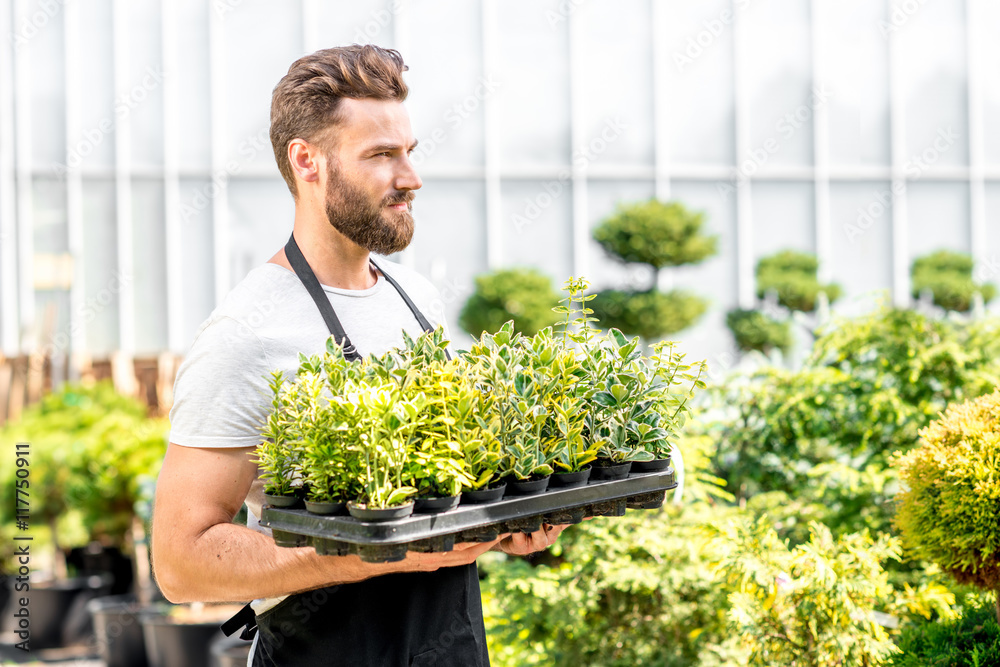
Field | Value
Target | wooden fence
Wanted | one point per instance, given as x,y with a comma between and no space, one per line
25,379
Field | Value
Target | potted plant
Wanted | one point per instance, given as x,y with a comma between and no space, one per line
275,455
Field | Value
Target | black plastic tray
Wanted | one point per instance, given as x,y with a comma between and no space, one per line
390,540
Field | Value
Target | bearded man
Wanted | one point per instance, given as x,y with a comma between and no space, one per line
342,141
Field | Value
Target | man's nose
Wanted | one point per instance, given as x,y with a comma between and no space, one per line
407,177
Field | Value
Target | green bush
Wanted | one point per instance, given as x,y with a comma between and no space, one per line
649,315
525,296
793,276
949,511
753,330
90,450
634,590
656,233
972,640
948,276
809,605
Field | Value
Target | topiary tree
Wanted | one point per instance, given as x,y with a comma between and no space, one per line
753,330
949,512
792,277
525,296
948,276
658,234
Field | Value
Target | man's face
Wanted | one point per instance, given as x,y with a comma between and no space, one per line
370,179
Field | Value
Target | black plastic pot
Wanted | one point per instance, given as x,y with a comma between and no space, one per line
610,473
528,487
436,505
287,502
569,480
117,631
326,508
96,558
656,465
58,609
480,496
172,644
380,513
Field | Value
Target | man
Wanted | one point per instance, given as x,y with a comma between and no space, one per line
342,140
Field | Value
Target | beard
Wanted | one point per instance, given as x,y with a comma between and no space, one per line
367,223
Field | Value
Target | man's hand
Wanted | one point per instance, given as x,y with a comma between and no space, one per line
522,544
462,554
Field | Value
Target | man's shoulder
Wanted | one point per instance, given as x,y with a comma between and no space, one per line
406,277
265,290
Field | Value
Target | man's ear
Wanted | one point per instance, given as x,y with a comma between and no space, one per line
305,159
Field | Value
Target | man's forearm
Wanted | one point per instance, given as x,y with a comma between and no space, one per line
229,562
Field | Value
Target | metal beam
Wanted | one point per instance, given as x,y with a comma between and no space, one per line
746,292
491,148
171,181
74,186
25,212
220,202
661,100
821,149
897,142
977,181
123,182
9,317
578,142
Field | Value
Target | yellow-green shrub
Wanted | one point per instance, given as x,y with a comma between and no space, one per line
950,510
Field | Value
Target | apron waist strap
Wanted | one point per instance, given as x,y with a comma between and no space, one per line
244,618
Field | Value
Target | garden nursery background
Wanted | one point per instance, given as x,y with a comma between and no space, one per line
803,193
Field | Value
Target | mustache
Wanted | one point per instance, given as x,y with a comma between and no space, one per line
400,197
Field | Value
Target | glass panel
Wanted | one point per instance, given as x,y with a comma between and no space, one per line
617,56
450,242
447,92
533,101
360,22
989,65
150,285
939,217
783,218
856,61
261,212
861,218
538,227
191,83
197,277
698,76
40,29
102,280
251,72
142,99
776,50
49,221
94,144
714,279
933,80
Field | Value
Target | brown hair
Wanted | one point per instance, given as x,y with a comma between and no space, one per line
304,103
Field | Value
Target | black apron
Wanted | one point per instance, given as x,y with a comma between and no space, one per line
421,618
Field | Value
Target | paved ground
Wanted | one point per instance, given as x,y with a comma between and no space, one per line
79,656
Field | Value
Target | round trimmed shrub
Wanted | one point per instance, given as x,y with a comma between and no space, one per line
649,315
948,275
753,330
792,275
525,296
950,510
